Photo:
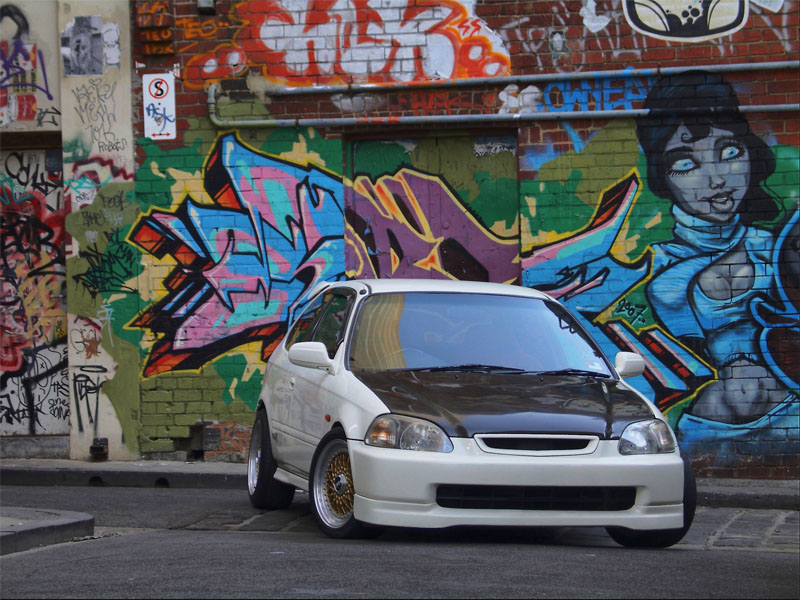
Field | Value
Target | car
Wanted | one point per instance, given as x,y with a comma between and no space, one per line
440,403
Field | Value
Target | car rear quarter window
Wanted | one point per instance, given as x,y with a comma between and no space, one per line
303,328
330,329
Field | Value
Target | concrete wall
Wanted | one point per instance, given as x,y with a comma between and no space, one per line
186,264
98,167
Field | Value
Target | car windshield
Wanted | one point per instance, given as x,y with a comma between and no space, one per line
480,332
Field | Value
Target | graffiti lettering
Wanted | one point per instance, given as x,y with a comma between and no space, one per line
159,115
47,116
91,219
251,260
390,42
59,408
634,312
153,14
109,270
26,170
95,106
86,386
115,202
389,234
600,94
425,102
206,29
27,239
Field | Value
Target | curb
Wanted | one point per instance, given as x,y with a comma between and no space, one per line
100,477
26,528
716,499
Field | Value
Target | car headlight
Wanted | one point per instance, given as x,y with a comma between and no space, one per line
647,437
407,433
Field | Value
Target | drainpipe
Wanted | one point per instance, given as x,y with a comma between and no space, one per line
489,117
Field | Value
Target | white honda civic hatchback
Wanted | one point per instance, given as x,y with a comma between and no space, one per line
425,403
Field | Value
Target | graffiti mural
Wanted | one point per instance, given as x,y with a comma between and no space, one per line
34,395
245,261
266,230
390,41
409,223
709,294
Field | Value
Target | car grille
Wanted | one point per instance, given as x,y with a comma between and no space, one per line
535,497
537,444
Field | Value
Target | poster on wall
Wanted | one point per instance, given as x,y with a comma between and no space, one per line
82,46
159,106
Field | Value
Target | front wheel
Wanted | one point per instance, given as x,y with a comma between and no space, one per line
332,492
264,490
663,538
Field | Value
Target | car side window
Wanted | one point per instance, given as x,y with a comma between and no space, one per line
303,328
330,329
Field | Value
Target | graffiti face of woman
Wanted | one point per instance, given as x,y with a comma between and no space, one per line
709,176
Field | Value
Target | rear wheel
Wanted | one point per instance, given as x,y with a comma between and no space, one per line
662,538
264,490
332,492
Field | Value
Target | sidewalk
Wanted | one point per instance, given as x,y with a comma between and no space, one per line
24,528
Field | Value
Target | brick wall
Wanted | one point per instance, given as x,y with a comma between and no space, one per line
586,218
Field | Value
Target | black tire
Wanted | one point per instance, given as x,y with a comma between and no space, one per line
331,490
663,538
264,490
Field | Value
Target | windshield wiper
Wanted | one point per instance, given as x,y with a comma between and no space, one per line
572,372
471,367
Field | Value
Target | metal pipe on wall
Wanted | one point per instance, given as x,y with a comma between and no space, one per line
492,117
526,79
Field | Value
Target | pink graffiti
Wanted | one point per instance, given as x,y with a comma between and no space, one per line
246,262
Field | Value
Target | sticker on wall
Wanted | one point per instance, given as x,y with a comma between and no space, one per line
686,20
159,106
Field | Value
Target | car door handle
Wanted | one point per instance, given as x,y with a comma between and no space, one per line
291,383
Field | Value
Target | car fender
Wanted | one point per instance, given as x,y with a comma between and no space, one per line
357,409
656,412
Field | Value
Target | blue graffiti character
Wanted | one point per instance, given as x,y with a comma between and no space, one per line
702,155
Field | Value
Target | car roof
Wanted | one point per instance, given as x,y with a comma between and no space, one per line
380,286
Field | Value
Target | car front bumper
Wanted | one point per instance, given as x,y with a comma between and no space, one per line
399,487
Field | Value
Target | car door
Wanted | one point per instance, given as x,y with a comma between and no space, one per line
281,380
313,390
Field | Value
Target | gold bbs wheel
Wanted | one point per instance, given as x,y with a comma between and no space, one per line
332,483
339,484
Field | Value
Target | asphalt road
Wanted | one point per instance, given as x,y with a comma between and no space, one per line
171,543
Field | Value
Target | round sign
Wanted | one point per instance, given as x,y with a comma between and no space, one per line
158,88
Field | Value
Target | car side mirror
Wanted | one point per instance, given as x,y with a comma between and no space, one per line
313,355
629,364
